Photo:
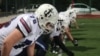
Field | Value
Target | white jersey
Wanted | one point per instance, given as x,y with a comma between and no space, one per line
28,25
65,19
57,29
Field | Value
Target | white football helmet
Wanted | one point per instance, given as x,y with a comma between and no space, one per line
46,13
71,13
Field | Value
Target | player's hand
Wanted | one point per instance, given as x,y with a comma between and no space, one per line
75,42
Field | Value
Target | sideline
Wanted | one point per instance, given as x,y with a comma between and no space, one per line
7,18
88,16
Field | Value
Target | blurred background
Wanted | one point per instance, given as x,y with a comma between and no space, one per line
8,7
88,35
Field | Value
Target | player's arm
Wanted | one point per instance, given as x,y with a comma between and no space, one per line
15,36
59,42
31,49
10,41
74,16
68,33
75,23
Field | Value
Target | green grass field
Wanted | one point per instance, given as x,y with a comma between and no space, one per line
88,37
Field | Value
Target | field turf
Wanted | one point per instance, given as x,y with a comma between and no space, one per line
88,37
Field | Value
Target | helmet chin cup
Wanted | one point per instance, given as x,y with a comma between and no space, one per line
48,28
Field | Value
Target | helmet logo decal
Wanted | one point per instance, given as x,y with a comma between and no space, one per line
48,12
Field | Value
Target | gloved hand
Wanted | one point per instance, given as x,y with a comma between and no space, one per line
75,42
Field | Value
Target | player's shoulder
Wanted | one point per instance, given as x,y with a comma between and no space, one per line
28,19
27,16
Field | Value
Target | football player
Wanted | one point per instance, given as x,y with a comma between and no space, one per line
23,30
66,20
72,16
55,36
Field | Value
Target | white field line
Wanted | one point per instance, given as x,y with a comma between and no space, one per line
89,24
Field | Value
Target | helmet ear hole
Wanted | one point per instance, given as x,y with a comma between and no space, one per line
41,17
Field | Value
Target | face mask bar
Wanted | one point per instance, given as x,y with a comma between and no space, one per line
48,28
